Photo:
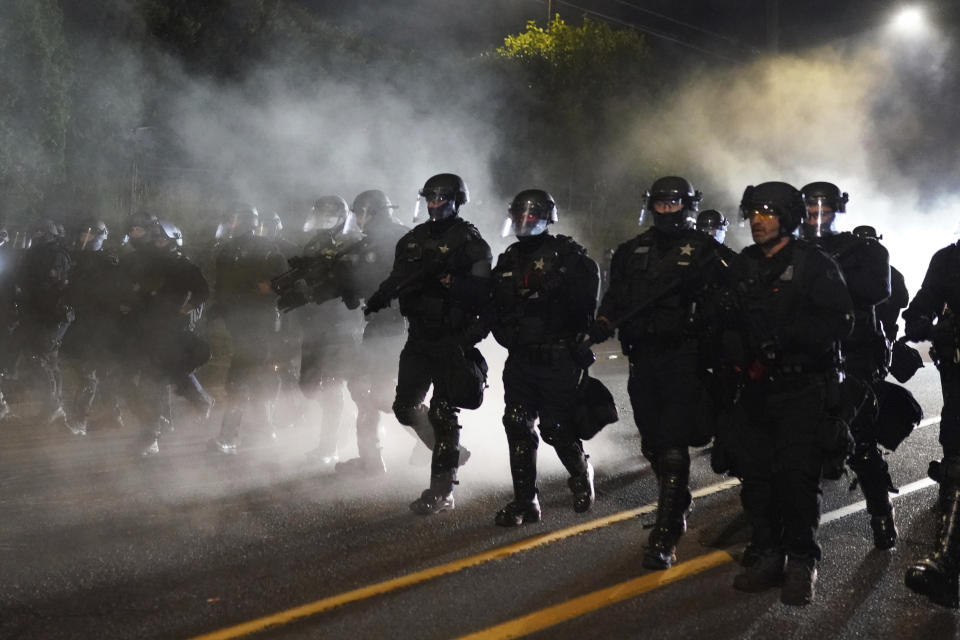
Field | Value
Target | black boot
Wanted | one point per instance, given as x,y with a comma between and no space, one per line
936,576
765,571
574,460
674,472
874,479
523,469
582,488
519,512
799,581
439,497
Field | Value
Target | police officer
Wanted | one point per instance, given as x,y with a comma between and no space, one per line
441,275
330,330
544,296
44,312
795,310
162,343
372,384
656,282
865,265
245,264
95,293
932,316
713,223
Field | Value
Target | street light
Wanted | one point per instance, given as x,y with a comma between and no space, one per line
909,21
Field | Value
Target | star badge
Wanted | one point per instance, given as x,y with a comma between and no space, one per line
538,264
443,248
686,250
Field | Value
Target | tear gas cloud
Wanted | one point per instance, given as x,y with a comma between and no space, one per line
815,116
829,114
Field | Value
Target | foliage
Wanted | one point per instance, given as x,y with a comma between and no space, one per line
572,86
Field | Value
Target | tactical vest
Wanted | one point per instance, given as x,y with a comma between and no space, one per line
526,315
423,257
650,265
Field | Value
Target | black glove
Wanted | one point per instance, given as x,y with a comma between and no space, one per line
375,303
600,331
918,329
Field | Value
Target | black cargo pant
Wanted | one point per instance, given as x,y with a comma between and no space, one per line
425,362
540,381
777,446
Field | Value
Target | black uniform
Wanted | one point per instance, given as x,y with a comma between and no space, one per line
44,316
8,317
865,266
96,293
668,275
796,309
243,299
161,341
938,301
544,295
441,275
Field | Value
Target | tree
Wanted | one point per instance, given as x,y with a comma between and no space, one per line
569,83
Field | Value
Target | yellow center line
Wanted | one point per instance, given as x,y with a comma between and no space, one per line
380,588
577,607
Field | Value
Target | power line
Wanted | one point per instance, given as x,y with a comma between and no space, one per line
688,25
642,29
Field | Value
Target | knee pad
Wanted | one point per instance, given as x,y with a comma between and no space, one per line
443,416
518,422
410,415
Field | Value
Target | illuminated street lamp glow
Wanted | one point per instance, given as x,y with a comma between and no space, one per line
909,21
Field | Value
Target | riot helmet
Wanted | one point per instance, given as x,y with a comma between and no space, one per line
166,236
89,234
44,231
240,219
773,199
866,232
530,212
713,223
442,196
329,213
371,205
138,229
823,201
673,204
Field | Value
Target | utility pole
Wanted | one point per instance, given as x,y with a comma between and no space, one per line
549,11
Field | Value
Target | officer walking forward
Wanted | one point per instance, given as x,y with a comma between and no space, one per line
544,295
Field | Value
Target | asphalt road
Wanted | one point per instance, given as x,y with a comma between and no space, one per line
97,544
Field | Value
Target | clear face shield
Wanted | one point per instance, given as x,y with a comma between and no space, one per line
323,219
523,221
718,233
819,219
437,205
89,239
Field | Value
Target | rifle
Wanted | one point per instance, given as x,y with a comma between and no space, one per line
310,279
